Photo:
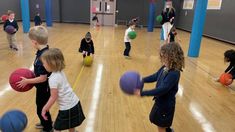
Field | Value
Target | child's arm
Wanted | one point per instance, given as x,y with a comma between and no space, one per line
126,35
170,80
229,68
81,46
92,47
51,101
169,38
17,27
25,81
153,77
4,26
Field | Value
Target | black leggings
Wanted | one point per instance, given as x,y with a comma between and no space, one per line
42,96
128,48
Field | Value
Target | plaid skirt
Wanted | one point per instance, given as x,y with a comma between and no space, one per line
71,118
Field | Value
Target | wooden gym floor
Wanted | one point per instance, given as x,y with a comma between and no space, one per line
202,105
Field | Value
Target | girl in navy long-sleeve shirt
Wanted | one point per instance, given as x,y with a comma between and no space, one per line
167,78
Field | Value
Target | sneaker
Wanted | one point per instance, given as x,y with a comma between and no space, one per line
38,126
16,49
127,57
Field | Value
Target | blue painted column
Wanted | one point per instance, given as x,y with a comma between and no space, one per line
151,19
25,15
48,12
198,27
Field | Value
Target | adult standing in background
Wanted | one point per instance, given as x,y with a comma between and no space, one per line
168,15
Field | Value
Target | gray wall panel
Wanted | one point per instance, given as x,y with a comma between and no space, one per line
41,9
13,5
75,11
219,23
141,8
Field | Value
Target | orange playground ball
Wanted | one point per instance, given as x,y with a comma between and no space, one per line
225,79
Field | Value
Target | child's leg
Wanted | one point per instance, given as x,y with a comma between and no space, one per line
161,129
41,99
127,49
72,130
9,40
13,40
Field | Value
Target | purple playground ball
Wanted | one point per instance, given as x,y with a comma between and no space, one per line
10,29
130,81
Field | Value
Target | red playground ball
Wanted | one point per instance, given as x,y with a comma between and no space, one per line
130,81
224,79
4,18
16,77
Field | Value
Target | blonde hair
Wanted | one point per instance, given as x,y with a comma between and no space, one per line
9,12
174,55
39,34
171,8
54,58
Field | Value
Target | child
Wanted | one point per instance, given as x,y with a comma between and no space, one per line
135,21
167,78
70,114
95,20
11,37
127,40
37,20
173,35
39,38
87,46
229,56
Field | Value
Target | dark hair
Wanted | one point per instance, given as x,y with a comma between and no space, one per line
173,29
131,23
88,35
229,55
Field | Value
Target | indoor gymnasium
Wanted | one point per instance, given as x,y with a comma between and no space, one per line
117,66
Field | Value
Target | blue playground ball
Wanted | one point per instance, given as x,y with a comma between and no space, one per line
130,81
13,121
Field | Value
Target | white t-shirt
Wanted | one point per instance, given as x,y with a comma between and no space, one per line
66,97
126,37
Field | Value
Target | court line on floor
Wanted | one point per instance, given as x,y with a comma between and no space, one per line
200,67
78,77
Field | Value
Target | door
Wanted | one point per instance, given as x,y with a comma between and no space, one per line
105,10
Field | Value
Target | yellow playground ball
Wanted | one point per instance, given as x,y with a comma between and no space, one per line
87,61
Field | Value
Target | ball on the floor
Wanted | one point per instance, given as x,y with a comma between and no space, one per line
88,61
10,29
159,18
16,77
13,121
226,79
130,81
4,18
132,34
